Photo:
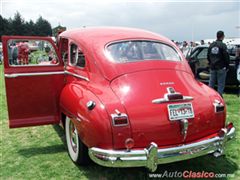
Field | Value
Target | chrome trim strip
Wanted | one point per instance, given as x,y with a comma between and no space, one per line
171,91
14,75
164,100
76,75
33,65
151,156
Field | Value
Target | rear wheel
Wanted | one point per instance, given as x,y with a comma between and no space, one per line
77,151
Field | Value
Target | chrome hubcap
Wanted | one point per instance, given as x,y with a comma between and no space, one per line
73,136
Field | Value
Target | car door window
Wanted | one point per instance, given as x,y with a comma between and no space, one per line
194,53
203,54
77,57
31,53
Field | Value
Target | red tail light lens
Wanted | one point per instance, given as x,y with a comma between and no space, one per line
222,132
229,126
120,119
218,106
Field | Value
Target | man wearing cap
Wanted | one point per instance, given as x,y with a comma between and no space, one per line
218,59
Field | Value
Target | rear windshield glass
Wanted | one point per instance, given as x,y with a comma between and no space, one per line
128,51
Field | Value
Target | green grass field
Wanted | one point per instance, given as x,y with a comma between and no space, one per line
40,153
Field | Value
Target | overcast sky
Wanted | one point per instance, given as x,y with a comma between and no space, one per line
178,20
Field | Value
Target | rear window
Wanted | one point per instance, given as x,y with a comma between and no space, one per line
128,51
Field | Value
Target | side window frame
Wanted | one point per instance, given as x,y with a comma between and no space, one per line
76,58
64,49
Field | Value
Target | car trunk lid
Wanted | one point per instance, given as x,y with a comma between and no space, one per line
149,120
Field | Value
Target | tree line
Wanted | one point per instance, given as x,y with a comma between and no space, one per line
18,26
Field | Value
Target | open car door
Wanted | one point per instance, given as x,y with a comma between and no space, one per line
34,78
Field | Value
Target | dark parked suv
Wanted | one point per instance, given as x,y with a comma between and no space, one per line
198,62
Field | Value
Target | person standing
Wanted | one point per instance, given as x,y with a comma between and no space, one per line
218,59
14,54
10,54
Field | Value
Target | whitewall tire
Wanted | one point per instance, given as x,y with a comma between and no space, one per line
77,151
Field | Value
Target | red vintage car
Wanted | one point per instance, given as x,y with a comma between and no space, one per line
126,97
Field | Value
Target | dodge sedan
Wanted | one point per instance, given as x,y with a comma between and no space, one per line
126,97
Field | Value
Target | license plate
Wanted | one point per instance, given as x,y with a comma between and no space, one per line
180,111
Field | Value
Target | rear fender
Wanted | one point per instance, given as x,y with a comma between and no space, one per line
93,125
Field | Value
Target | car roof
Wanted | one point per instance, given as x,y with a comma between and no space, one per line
108,34
95,40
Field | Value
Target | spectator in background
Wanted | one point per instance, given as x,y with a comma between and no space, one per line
185,44
10,54
202,42
184,47
218,59
14,52
177,44
23,51
192,44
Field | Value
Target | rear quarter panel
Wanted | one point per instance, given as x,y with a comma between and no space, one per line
93,125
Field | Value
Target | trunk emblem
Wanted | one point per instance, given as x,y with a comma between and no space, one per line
184,128
166,83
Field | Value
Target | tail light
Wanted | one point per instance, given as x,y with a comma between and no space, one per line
119,119
229,126
218,106
222,132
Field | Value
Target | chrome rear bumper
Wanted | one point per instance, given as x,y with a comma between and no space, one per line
151,156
